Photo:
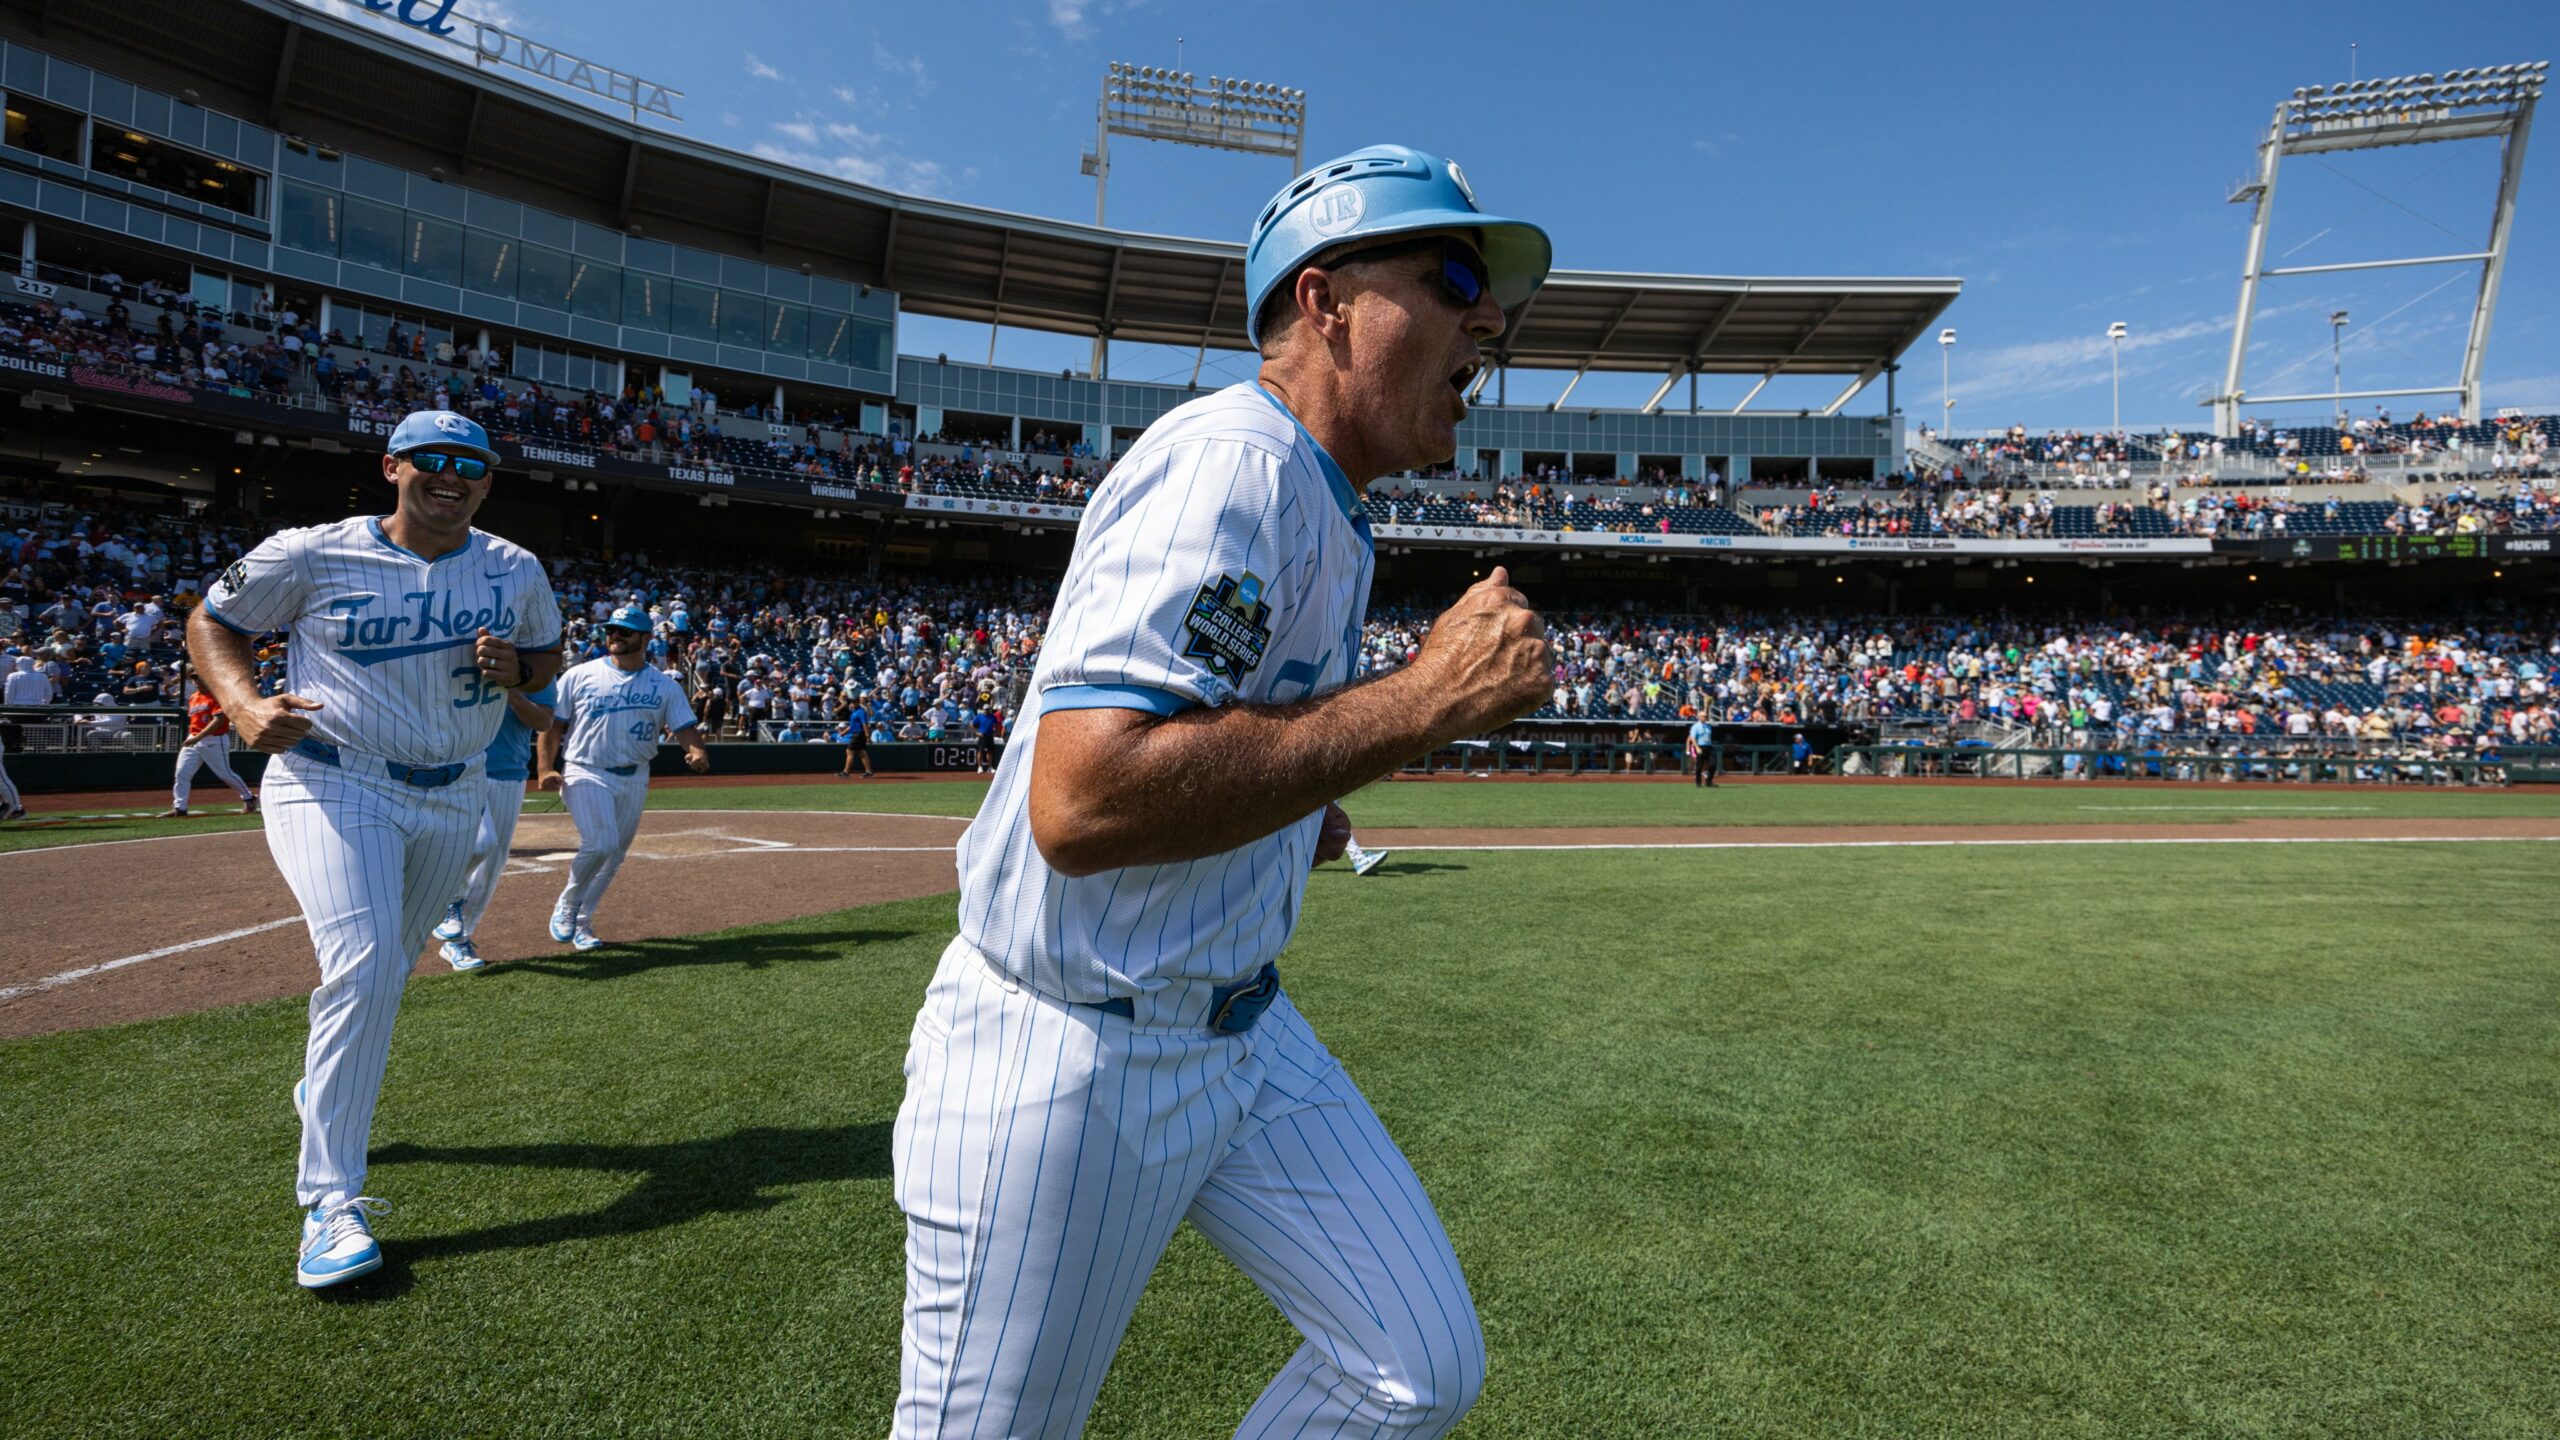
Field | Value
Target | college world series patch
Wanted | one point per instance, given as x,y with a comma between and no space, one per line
1229,626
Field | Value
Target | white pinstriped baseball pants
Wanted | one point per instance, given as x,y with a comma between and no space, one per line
489,849
373,863
1046,1152
607,809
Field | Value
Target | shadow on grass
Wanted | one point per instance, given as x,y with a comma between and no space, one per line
620,958
679,1182
1409,867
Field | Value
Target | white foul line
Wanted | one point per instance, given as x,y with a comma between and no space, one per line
1969,844
12,992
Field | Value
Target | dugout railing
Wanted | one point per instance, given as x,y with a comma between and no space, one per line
1598,757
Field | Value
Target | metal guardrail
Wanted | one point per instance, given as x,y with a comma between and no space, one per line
1576,757
2304,766
76,730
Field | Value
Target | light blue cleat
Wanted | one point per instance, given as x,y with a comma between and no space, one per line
585,939
337,1243
461,954
451,927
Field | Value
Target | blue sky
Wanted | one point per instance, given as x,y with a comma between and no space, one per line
2069,163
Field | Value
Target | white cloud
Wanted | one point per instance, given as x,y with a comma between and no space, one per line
846,133
889,172
761,70
2537,393
910,66
844,94
1714,146
1068,16
800,130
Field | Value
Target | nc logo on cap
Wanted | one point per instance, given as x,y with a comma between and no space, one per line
452,424
1335,209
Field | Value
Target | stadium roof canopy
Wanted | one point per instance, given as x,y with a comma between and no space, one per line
310,73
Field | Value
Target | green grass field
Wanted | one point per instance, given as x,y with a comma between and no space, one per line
2070,1142
1403,804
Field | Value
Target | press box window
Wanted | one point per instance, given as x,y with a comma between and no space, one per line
43,129
132,155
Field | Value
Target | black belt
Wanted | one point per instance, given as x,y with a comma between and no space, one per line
619,769
1233,1009
425,777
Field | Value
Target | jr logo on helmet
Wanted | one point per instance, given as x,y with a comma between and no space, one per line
1335,209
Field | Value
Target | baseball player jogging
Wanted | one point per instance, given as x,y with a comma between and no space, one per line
208,747
508,759
611,708
407,631
1105,1050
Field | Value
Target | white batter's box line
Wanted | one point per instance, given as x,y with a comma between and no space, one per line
84,972
1996,844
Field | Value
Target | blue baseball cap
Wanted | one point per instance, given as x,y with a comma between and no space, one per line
442,427
629,617
1381,191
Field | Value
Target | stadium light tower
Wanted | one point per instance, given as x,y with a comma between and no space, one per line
2115,370
1946,399
2491,102
1148,102
2337,350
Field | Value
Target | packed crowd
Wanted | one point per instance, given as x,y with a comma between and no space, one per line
771,654
2372,680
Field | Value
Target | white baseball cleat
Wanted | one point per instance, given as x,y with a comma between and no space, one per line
337,1243
461,954
1369,860
450,928
585,939
564,927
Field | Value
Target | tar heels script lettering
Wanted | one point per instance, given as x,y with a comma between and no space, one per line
421,621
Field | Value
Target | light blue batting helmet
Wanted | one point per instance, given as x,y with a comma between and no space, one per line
1380,191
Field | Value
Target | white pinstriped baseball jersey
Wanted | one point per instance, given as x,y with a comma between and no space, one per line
1225,558
382,636
613,715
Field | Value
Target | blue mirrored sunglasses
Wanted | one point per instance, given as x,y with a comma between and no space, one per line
433,462
1461,275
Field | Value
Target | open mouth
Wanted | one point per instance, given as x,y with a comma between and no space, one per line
1464,376
446,494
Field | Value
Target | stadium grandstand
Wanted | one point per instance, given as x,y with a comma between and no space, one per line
249,235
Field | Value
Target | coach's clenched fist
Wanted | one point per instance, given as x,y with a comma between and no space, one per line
273,723
1488,657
